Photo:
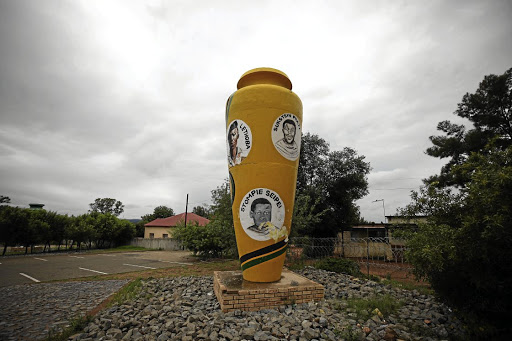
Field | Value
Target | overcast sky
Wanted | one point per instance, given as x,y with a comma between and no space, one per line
126,99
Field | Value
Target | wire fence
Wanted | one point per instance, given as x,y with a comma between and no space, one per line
381,253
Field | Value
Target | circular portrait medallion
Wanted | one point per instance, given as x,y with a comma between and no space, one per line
239,142
262,215
286,136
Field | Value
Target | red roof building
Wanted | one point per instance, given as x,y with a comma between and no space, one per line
161,227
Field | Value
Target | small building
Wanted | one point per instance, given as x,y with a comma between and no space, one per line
404,220
163,227
377,240
369,231
366,240
36,206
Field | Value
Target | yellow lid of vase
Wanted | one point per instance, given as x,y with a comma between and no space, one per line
264,75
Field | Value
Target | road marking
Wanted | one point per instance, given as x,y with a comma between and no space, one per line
32,278
44,260
102,254
140,266
103,273
168,261
76,257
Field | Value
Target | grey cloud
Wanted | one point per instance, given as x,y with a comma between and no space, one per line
91,107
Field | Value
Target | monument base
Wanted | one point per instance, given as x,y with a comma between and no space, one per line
235,293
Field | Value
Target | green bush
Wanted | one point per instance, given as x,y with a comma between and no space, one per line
464,250
210,241
365,307
339,265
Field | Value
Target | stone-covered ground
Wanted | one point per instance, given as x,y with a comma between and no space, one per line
185,308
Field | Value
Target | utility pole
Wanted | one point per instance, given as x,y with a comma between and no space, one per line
186,209
382,208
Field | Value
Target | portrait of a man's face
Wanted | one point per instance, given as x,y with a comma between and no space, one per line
286,136
261,213
289,132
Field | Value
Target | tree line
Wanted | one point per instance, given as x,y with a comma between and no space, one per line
100,228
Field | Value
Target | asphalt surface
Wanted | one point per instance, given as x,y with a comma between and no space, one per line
44,267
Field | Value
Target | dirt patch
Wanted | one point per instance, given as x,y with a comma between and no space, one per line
399,272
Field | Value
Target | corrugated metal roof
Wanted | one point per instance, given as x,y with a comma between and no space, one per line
369,227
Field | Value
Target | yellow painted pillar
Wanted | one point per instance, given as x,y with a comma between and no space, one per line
263,127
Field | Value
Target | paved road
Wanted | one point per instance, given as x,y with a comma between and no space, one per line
40,268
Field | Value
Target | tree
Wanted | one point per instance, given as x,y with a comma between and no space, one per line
158,212
125,232
466,242
203,211
60,225
314,151
139,229
4,199
28,229
489,110
221,208
107,205
305,215
332,181
82,230
464,248
41,220
12,220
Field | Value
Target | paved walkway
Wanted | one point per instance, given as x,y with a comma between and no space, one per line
29,311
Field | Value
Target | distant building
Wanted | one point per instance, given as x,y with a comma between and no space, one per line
400,219
36,206
377,240
163,227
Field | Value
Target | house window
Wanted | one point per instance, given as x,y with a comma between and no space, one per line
377,233
151,235
165,235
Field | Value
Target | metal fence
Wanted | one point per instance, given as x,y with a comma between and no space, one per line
383,253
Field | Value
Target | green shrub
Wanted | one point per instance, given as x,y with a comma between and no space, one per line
464,249
76,325
127,293
339,265
210,241
365,307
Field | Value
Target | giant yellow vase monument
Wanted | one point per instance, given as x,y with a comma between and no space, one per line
263,134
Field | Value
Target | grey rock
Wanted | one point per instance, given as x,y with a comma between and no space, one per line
115,333
163,337
247,333
310,333
261,336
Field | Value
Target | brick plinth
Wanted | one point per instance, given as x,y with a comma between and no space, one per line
235,293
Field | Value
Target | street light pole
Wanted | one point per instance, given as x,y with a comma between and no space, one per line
382,208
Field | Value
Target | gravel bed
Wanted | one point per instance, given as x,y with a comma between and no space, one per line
186,308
